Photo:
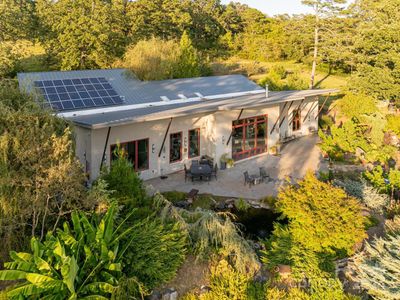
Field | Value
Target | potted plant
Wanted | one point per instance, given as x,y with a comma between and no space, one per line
230,163
223,161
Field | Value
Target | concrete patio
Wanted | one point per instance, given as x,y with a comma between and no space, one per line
296,158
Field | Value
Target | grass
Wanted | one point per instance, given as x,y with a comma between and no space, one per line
258,70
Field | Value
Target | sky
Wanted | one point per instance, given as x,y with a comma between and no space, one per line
275,7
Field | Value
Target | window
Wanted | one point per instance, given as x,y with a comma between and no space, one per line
175,147
296,125
194,142
249,137
137,152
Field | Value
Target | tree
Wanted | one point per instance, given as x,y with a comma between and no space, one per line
83,34
82,261
41,181
153,59
377,49
378,267
322,9
189,63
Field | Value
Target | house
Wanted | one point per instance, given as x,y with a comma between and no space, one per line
164,124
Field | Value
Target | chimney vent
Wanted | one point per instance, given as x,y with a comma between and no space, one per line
266,90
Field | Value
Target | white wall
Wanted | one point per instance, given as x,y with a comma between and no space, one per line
215,130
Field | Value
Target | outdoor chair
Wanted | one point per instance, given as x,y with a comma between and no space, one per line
214,171
187,173
195,162
247,179
263,174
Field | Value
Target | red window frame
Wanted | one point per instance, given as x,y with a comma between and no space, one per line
256,149
198,141
296,122
180,148
136,153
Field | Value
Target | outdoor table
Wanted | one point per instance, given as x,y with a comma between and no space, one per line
256,179
200,171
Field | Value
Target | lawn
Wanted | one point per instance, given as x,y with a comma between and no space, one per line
258,70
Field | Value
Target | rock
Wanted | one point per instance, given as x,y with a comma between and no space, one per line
204,289
220,206
170,294
154,296
182,204
230,201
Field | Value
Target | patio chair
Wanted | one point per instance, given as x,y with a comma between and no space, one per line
247,179
263,174
195,162
187,173
214,171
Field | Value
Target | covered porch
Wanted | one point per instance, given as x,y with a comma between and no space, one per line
296,158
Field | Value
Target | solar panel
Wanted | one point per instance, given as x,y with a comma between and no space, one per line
78,93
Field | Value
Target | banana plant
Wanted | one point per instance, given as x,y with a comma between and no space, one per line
82,261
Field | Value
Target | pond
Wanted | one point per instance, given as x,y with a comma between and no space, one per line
256,223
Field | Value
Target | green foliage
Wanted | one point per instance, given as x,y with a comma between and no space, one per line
226,283
357,105
393,124
125,183
377,48
321,216
242,205
156,59
41,181
75,262
377,267
154,251
275,82
323,224
368,195
384,181
211,233
175,196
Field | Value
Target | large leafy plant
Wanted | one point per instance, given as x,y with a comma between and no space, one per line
82,261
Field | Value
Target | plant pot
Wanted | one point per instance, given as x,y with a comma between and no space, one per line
223,165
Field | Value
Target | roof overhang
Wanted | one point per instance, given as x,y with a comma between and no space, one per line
129,116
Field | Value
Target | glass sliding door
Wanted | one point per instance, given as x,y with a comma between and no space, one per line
136,152
249,137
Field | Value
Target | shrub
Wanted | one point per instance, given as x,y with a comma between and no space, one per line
325,122
226,283
75,262
154,251
357,105
318,213
378,267
124,182
175,196
393,124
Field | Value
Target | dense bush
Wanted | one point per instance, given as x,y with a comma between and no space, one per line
378,267
78,261
357,105
157,59
41,181
323,223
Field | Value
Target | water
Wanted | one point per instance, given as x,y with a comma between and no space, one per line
256,223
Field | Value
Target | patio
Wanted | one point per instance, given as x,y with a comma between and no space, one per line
296,158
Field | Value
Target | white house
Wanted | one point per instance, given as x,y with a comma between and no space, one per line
164,124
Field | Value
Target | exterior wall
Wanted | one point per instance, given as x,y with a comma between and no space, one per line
215,129
224,127
309,125
83,145
155,132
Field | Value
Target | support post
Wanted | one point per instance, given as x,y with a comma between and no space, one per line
284,117
165,137
310,110
322,106
105,149
277,119
301,103
238,118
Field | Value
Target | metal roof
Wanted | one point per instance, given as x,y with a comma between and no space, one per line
145,114
142,92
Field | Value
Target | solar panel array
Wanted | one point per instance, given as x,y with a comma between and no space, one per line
78,93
